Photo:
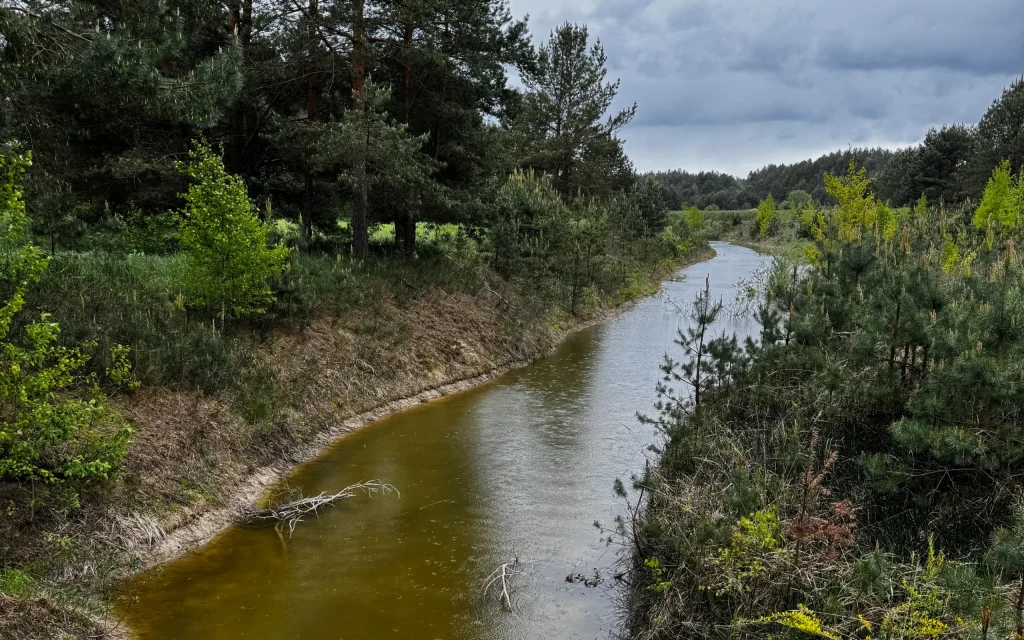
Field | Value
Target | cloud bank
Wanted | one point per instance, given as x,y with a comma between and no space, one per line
732,86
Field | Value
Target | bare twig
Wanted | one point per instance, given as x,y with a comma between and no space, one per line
503,574
498,296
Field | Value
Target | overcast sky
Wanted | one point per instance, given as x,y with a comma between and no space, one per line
732,85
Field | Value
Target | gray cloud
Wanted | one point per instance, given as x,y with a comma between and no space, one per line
735,85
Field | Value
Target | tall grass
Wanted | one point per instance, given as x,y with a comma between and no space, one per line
102,299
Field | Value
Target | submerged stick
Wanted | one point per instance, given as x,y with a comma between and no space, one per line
503,573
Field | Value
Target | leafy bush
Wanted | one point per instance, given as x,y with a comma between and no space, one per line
765,215
15,582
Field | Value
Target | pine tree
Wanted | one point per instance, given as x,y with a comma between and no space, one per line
653,214
1001,202
447,60
1000,136
696,370
561,118
109,92
370,149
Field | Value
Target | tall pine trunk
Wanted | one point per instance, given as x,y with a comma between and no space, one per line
311,94
239,26
408,224
360,236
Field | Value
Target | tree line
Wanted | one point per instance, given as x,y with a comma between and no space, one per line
364,111
951,165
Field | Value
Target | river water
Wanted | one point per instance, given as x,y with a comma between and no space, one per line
518,468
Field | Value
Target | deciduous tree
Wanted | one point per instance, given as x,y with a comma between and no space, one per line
229,261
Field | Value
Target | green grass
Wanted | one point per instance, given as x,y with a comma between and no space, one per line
426,232
15,582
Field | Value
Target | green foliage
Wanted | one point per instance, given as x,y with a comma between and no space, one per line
695,219
393,158
1003,202
857,208
1005,553
712,191
892,361
651,210
55,427
803,620
921,208
695,371
229,262
937,168
49,434
658,575
564,251
87,97
766,214
797,200
753,537
562,125
999,137
15,582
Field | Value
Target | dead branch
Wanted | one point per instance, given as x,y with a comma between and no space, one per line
499,297
295,511
503,574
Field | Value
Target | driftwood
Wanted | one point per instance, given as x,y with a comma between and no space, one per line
293,512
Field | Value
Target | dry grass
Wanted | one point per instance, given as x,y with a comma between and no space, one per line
41,620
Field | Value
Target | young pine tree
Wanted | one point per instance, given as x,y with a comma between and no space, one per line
700,368
229,260
562,118
1001,203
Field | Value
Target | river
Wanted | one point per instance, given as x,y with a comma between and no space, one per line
517,468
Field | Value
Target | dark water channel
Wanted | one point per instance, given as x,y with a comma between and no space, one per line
520,467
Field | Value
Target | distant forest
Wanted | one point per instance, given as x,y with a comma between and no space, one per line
951,165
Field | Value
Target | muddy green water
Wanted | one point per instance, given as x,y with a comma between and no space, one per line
520,467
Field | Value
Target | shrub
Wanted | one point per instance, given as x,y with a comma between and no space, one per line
229,262
54,427
765,215
15,582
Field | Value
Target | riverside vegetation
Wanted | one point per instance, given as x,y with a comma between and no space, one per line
197,278
855,472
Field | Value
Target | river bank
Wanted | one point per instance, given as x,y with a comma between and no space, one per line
196,459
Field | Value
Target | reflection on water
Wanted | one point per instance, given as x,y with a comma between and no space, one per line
519,468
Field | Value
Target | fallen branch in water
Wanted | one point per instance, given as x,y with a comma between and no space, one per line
503,573
295,511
